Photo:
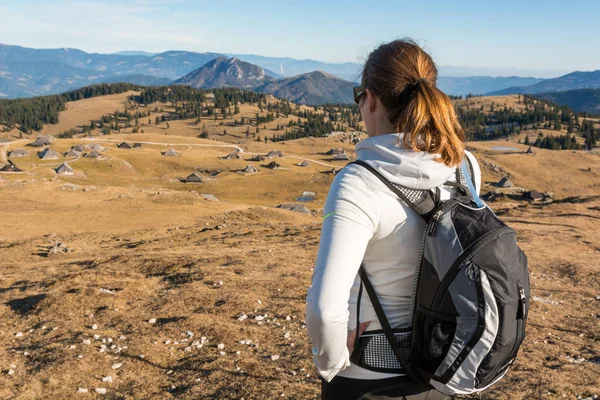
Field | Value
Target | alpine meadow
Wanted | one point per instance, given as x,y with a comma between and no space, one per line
161,209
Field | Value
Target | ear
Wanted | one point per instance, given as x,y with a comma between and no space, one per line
371,100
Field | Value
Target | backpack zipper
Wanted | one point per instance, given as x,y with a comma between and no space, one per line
413,297
456,266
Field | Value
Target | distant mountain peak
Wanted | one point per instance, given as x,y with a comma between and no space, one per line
225,72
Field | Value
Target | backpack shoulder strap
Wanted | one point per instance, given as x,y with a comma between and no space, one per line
423,202
400,352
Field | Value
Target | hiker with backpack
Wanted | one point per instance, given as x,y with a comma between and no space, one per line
419,291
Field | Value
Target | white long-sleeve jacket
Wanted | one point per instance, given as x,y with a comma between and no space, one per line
365,222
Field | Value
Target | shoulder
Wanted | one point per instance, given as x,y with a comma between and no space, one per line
353,176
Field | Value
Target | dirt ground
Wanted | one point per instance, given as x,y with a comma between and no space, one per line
149,301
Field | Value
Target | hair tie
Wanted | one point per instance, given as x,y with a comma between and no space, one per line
415,83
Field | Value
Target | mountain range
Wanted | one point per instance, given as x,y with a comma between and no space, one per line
316,87
27,72
580,100
574,80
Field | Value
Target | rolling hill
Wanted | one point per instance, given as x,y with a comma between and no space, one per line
312,88
572,81
461,86
581,100
139,79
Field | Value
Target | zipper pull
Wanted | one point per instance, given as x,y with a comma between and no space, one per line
435,219
522,311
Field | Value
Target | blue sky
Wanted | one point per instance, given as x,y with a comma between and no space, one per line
526,34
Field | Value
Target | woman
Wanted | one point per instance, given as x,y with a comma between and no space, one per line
414,141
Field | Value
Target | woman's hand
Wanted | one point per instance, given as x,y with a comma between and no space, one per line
352,335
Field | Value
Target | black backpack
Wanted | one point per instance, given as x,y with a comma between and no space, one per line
470,297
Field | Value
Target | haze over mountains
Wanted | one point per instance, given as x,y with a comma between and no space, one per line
27,72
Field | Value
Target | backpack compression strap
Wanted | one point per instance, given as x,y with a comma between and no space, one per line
400,352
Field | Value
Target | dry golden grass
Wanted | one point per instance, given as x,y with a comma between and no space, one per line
81,112
161,249
510,101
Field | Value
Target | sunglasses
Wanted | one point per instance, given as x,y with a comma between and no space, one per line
358,92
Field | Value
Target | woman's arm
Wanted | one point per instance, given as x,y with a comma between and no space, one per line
350,220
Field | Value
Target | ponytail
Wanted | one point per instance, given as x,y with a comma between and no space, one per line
403,76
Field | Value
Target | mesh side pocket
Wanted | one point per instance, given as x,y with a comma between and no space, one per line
379,355
433,338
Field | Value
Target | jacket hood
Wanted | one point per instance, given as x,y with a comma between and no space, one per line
401,165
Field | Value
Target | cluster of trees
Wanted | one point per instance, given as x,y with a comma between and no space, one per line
500,121
569,141
32,114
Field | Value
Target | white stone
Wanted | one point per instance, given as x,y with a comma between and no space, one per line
142,356
190,334
152,321
18,334
220,346
242,317
117,365
82,390
287,318
101,390
96,336
71,347
275,357
80,356
107,379
87,342
259,317
11,372
94,327
287,335
222,353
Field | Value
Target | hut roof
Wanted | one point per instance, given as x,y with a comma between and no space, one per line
43,140
533,195
137,145
79,148
273,165
304,163
93,154
64,169
38,143
341,156
193,177
505,182
529,150
48,154
72,153
124,145
301,208
170,153
250,169
274,153
258,157
18,153
334,151
233,154
95,146
208,196
10,167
